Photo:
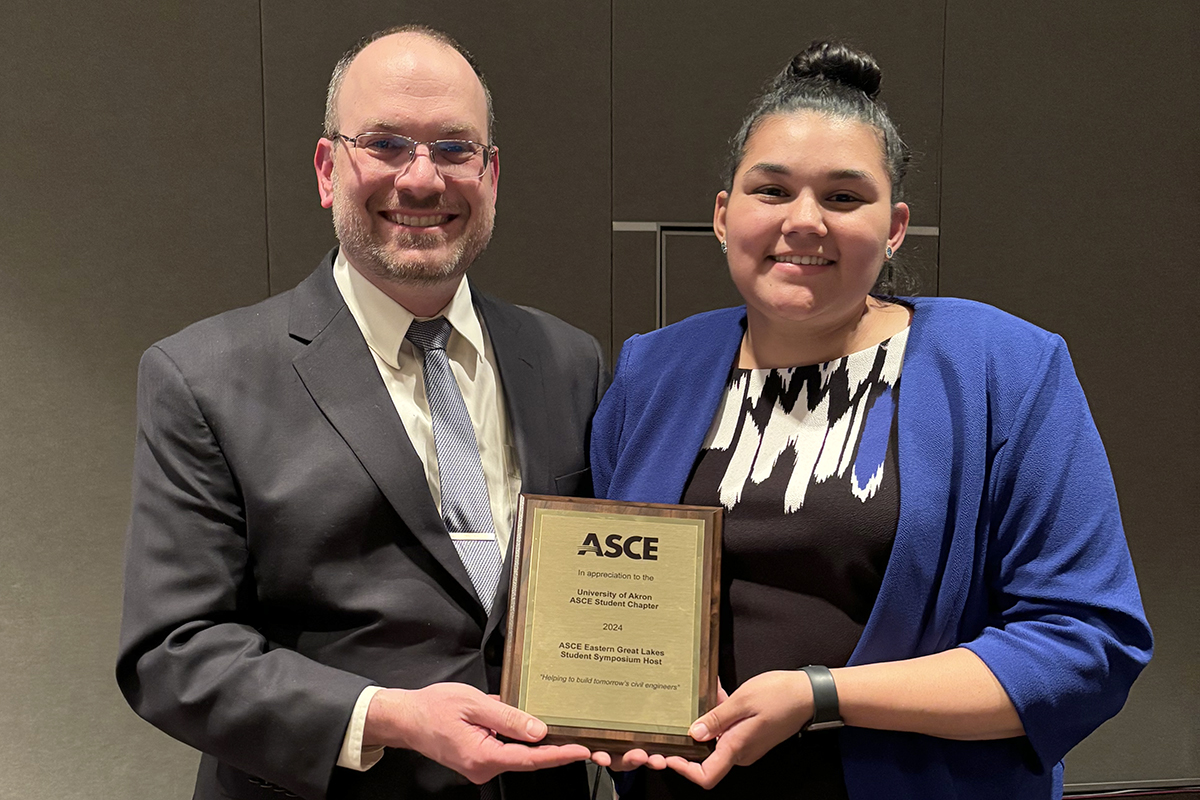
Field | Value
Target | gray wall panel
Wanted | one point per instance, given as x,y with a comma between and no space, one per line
1069,198
547,65
684,75
634,254
697,275
132,205
919,255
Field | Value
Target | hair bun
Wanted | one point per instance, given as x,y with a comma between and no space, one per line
836,62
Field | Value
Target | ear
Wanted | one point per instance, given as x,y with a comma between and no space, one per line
899,225
719,209
494,167
323,163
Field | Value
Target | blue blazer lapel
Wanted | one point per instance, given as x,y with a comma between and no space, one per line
340,374
680,372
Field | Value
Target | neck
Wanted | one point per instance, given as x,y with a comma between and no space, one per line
421,299
771,343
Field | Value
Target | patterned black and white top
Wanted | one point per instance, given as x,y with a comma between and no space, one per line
795,429
804,462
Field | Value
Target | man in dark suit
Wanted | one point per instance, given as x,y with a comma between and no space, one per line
295,541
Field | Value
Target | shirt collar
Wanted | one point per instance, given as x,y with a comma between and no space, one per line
384,322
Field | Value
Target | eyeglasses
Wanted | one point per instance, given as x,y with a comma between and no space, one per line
454,158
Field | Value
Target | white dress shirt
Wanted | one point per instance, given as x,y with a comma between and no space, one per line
383,323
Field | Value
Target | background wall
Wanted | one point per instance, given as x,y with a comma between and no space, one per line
157,169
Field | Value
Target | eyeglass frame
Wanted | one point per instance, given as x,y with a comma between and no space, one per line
488,150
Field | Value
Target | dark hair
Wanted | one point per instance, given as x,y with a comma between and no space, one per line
836,80
343,64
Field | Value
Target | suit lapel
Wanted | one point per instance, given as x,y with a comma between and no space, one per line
518,353
517,349
340,374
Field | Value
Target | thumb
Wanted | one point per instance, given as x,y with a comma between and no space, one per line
508,721
716,721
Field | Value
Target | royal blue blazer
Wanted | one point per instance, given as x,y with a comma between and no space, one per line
1009,541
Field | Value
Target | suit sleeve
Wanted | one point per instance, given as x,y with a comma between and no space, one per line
191,660
1068,635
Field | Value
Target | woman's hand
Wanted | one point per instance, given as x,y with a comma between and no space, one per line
763,712
951,694
624,762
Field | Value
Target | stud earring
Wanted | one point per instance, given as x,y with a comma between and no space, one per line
724,247
888,252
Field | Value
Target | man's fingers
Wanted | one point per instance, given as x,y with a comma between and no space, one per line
623,762
507,721
454,723
509,757
486,763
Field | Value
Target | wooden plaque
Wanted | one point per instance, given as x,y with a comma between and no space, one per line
613,622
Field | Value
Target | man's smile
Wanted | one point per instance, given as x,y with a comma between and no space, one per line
417,221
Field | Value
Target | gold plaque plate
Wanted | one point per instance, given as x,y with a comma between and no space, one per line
612,621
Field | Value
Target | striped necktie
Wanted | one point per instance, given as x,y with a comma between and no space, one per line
466,509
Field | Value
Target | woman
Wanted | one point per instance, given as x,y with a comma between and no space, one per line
952,550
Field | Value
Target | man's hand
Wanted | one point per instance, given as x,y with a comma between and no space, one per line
763,712
456,726
631,760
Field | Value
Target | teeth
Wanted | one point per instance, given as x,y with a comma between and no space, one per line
420,222
805,260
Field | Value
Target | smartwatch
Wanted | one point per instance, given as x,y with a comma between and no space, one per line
825,700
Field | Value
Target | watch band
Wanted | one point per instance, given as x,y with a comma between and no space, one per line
825,700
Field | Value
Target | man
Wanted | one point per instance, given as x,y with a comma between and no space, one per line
299,534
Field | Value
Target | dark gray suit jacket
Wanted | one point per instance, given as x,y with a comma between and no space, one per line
284,551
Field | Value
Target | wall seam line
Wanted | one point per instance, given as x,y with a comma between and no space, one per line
612,170
262,75
937,279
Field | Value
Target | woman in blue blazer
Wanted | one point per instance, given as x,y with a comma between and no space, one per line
949,554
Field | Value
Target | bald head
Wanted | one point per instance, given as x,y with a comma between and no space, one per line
411,50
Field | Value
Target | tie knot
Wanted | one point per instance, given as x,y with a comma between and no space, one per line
432,334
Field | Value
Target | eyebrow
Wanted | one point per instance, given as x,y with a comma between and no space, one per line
837,174
853,174
769,168
449,132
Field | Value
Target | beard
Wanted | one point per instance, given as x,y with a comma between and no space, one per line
368,250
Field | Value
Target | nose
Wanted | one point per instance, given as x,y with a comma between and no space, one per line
805,215
420,177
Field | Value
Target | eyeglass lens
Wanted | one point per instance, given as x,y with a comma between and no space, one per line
453,157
